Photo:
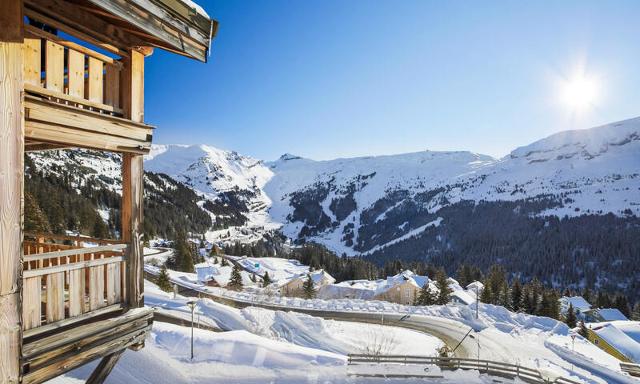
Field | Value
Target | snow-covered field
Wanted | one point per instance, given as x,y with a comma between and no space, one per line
516,338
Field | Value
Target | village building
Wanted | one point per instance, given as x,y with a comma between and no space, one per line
597,315
620,339
72,76
402,288
580,305
294,286
215,275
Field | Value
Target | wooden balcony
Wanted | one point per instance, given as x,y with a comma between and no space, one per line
74,308
73,97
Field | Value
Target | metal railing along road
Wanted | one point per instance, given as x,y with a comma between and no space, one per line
495,368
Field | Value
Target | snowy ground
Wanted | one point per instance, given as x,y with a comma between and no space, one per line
517,338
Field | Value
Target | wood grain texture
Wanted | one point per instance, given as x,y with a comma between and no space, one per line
95,81
76,292
100,373
76,73
32,61
10,11
32,302
132,200
55,297
54,66
11,179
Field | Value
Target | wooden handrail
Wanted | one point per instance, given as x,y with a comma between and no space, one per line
71,266
85,239
73,252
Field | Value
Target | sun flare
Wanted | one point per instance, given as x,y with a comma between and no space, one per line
579,92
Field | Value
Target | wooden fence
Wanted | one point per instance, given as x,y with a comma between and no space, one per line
65,71
489,367
63,283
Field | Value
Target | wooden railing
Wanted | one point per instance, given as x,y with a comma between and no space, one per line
495,368
65,71
66,283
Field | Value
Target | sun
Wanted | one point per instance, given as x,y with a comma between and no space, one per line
579,92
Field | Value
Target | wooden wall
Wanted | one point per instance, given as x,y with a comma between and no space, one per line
11,174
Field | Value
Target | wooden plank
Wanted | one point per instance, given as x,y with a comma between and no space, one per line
132,85
132,202
54,113
113,283
71,136
79,358
32,31
38,346
54,66
70,18
10,11
73,267
112,86
96,288
99,375
76,74
94,81
75,251
32,61
55,297
71,99
11,182
76,292
72,320
31,302
75,239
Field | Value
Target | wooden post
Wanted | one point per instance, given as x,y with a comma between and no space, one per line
100,373
132,85
11,179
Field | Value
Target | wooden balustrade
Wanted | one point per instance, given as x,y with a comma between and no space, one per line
64,283
65,71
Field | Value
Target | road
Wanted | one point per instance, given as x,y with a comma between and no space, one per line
449,331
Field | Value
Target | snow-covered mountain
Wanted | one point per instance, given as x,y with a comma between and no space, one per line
360,205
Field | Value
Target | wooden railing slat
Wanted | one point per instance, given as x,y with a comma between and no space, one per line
31,302
94,90
55,297
76,292
32,61
54,67
76,73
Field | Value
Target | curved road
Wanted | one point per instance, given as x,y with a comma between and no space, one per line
449,331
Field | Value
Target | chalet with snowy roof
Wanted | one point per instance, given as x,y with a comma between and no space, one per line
580,305
294,286
215,275
620,339
597,315
72,76
402,288
475,287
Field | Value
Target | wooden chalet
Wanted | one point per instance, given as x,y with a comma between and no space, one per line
72,75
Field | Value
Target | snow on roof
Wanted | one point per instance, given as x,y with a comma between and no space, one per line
463,296
197,7
578,302
611,314
476,284
614,334
405,276
279,269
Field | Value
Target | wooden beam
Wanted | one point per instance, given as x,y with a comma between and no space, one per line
105,367
10,11
132,86
132,201
11,182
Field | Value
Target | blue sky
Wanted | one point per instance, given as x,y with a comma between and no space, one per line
326,79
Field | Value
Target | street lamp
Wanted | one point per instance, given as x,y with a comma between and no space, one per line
192,305
477,301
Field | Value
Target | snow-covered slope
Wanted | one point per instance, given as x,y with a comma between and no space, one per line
234,181
361,205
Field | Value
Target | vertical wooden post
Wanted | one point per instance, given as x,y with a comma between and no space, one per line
11,173
132,85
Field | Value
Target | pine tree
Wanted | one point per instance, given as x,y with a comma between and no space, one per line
34,218
486,295
570,319
635,315
235,283
426,296
516,295
583,330
224,262
443,287
266,279
183,259
163,280
504,298
308,290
